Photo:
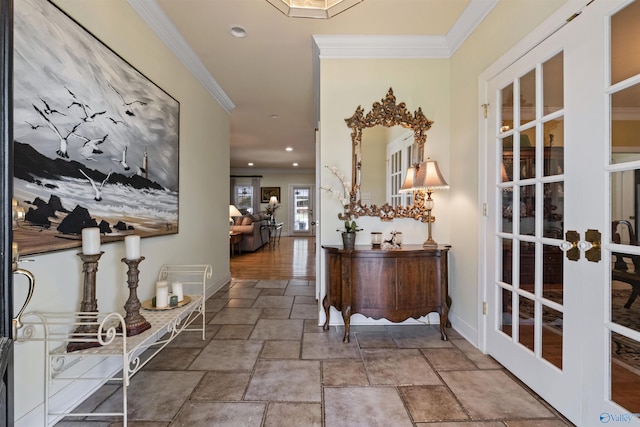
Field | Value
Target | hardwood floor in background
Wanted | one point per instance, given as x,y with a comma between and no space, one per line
292,258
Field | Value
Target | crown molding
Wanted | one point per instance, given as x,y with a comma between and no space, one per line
468,21
157,20
410,47
397,47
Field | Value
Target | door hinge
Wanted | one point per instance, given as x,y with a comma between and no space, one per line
485,210
484,308
485,108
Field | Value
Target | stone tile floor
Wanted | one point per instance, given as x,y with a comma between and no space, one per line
265,362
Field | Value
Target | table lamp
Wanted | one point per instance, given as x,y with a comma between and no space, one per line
233,211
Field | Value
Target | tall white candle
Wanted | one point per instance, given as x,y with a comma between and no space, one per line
176,288
162,296
91,241
132,247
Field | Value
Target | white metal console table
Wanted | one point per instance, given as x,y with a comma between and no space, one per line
56,330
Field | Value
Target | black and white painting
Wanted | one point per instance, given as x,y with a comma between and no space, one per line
96,143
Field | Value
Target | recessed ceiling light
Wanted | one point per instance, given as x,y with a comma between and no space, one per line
250,163
275,116
295,165
238,32
289,149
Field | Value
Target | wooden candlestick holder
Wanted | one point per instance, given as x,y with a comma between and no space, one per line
134,321
89,304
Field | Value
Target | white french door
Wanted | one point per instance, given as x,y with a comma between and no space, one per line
550,315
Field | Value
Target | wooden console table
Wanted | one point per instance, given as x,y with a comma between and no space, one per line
393,284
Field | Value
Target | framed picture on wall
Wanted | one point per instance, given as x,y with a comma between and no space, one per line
95,141
267,192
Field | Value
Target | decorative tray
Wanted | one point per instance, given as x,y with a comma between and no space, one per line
148,305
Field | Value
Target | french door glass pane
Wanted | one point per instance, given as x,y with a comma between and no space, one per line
528,209
506,111
553,84
527,265
625,51
552,273
506,324
625,124
552,336
553,131
528,97
507,262
526,329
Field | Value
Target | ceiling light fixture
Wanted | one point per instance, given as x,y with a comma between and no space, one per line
250,163
238,32
322,9
289,149
295,165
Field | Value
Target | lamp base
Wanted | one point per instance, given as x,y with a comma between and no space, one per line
430,244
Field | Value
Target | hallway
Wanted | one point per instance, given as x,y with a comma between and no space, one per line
266,362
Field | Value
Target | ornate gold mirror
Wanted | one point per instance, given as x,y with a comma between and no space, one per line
372,165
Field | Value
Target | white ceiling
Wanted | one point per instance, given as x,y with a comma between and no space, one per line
270,72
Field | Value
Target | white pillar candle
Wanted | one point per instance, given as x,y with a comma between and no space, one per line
176,288
162,296
132,247
91,241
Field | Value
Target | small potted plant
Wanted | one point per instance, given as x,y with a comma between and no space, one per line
349,234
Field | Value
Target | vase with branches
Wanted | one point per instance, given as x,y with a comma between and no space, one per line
344,197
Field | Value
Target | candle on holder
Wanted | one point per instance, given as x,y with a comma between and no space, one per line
162,294
91,241
132,247
176,288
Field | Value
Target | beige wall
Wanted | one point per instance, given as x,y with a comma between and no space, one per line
204,179
344,85
447,90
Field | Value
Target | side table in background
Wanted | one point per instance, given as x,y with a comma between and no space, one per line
235,237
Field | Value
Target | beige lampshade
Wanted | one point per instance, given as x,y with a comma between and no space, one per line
273,200
233,211
407,186
429,177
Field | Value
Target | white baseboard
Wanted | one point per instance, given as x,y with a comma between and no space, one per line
463,328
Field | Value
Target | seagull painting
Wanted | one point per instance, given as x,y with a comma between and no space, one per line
128,109
87,117
90,146
62,152
115,122
48,110
123,161
98,190
34,127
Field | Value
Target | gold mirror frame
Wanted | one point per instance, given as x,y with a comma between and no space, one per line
384,113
